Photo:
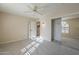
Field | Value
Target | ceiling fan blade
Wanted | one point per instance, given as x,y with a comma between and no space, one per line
28,11
33,12
30,7
38,12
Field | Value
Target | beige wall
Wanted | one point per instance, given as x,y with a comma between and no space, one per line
0,26
73,28
13,27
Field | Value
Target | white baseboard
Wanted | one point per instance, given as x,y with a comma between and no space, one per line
10,41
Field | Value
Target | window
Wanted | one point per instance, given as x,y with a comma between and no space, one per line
65,27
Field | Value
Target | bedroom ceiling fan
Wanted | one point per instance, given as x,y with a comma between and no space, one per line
33,9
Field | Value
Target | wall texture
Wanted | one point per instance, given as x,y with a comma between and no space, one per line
0,27
45,28
73,29
13,27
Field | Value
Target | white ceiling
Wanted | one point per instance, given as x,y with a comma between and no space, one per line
46,9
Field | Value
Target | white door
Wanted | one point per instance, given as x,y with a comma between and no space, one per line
32,29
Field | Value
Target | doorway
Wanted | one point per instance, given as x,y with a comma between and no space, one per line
56,29
34,29
52,30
